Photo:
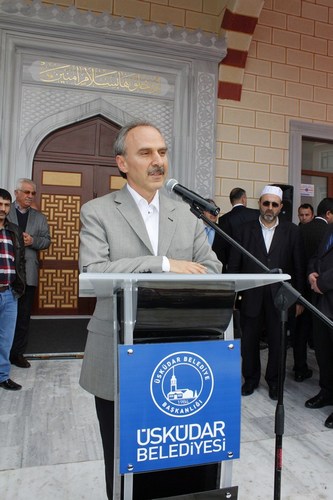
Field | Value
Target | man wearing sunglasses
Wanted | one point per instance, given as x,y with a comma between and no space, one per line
277,245
36,235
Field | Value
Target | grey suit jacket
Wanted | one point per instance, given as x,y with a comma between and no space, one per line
38,228
114,239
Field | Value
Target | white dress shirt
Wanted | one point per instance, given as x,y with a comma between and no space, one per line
268,233
150,213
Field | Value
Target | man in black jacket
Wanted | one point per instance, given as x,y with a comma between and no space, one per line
276,245
230,221
320,277
311,235
12,284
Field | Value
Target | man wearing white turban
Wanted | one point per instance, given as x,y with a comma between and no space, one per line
277,245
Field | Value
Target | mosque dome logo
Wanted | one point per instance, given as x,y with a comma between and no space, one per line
181,384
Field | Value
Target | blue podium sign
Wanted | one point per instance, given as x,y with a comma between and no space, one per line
179,404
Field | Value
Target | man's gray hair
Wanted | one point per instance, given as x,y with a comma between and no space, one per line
23,180
119,147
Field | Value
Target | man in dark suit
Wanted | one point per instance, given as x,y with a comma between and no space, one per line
311,236
313,231
305,213
276,245
36,235
230,221
320,277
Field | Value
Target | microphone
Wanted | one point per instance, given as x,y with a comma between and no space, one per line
190,197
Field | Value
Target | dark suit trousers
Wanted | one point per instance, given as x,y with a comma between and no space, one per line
24,307
150,485
323,345
302,335
252,327
105,415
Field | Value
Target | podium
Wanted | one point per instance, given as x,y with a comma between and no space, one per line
159,309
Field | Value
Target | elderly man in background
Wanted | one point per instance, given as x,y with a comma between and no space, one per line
36,235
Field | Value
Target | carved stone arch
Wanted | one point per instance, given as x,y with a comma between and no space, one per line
76,113
72,164
185,63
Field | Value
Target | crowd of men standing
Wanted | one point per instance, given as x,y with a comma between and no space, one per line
305,252
277,243
146,231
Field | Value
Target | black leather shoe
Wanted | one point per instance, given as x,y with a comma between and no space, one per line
273,392
329,421
301,376
318,401
20,361
248,388
9,385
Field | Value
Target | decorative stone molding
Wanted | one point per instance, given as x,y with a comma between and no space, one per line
107,23
205,142
185,62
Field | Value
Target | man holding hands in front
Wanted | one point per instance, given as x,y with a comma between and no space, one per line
135,230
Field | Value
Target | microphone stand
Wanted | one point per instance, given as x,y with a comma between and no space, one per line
285,297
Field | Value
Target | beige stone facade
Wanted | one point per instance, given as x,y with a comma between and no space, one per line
288,75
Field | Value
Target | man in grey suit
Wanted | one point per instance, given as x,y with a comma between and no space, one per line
36,235
137,229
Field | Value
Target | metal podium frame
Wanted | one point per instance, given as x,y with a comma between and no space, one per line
109,284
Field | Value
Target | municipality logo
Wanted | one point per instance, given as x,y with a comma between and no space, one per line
181,384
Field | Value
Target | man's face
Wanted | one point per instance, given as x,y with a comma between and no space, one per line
26,195
270,206
4,210
329,217
305,215
145,162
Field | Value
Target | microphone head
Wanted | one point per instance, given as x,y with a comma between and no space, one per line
170,184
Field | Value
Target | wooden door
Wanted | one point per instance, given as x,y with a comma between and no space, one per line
317,170
71,166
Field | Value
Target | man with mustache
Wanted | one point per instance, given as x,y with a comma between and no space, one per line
277,245
135,230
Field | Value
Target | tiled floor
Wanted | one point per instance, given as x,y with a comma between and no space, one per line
50,446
